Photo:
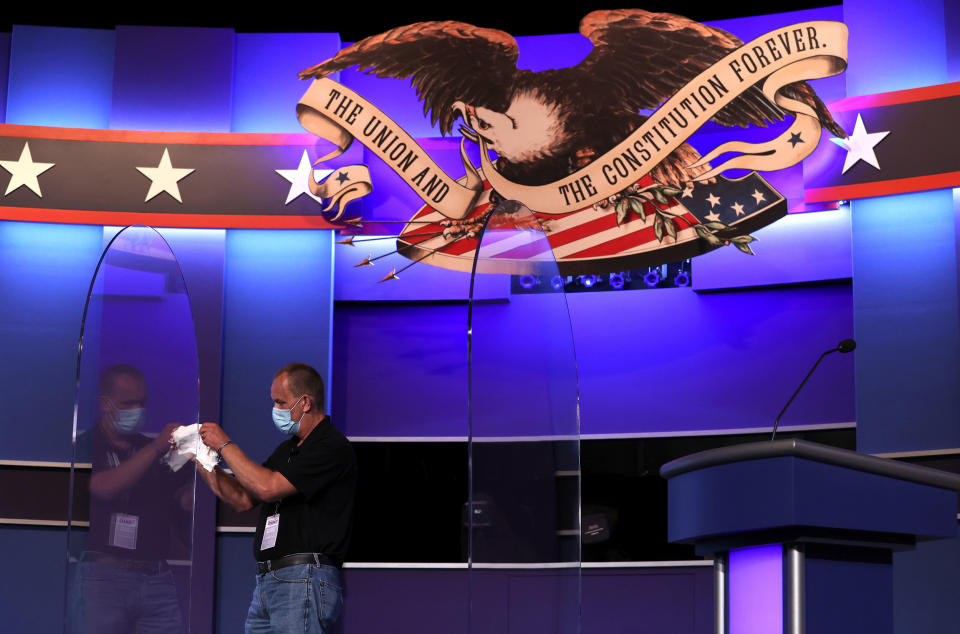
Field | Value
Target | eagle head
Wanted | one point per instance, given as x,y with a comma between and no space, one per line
532,128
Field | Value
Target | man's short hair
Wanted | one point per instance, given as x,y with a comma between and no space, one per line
303,379
108,378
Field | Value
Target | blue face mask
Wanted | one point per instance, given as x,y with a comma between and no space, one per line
128,421
281,418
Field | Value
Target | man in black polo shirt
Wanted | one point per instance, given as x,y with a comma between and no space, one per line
140,517
306,490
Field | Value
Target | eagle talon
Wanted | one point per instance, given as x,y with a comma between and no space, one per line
457,229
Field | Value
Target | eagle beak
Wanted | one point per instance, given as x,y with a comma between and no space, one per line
465,112
470,134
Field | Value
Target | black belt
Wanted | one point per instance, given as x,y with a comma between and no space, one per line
143,567
294,560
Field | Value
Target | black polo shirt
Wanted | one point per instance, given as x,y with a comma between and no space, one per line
318,517
163,527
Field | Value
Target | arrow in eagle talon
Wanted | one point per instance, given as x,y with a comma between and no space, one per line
366,262
392,275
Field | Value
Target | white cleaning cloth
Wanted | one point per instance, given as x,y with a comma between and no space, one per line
187,440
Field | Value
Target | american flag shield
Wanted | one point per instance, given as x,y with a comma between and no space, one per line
594,239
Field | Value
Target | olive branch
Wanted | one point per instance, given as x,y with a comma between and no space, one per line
665,222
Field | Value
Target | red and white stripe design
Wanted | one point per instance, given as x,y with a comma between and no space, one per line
586,240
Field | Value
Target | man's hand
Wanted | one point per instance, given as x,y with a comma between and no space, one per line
250,482
213,435
164,440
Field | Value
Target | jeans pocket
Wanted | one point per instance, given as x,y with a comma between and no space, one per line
327,575
292,574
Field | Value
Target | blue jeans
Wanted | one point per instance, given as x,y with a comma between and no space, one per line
110,599
303,598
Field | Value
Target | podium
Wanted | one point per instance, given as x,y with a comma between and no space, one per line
803,534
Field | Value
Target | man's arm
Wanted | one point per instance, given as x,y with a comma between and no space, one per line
105,484
228,489
257,481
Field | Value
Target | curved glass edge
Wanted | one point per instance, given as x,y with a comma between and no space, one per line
523,507
130,521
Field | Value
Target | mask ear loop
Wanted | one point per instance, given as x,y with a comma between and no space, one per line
295,406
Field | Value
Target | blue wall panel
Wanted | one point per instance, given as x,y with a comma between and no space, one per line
172,78
4,74
418,283
401,370
419,601
200,254
650,361
277,310
895,54
710,361
42,93
951,16
45,272
925,587
236,579
906,290
33,599
799,248
266,87
906,307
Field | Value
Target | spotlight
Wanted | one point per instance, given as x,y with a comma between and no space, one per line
617,281
682,279
587,281
527,282
557,282
652,278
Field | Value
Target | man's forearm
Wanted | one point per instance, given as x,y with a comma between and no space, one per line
259,481
105,484
228,489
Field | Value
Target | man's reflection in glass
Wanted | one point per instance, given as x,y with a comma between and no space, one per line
140,517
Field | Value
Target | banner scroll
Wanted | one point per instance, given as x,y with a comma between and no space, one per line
799,52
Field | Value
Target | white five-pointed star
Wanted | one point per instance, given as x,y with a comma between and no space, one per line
859,145
298,179
164,177
24,172
687,192
737,207
714,201
713,216
757,196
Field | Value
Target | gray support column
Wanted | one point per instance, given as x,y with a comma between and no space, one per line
720,593
796,605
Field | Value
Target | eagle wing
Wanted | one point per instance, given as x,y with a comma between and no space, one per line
445,61
647,57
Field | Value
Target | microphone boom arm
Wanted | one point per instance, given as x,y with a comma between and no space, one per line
776,424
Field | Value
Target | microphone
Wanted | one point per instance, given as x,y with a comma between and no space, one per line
845,346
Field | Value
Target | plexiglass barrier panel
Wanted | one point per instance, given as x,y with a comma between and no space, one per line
523,516
132,499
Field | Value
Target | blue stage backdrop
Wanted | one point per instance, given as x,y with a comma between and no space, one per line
651,362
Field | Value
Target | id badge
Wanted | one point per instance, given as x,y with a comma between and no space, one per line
270,532
123,530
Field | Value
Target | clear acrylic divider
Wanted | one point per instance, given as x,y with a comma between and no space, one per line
130,529
523,518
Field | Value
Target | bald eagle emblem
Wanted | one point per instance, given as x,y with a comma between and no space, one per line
607,137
